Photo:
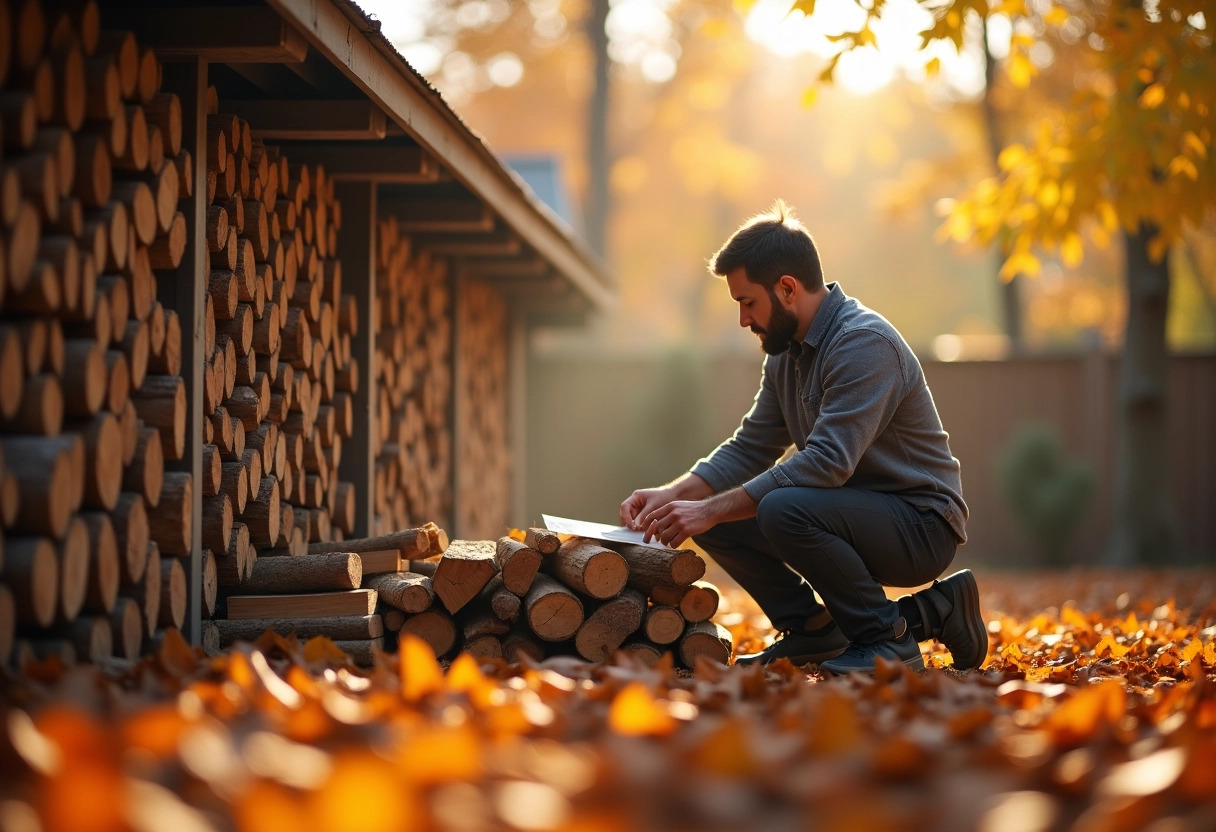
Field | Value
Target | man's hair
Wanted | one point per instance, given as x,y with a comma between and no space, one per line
769,245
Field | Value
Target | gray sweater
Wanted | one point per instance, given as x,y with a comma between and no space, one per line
852,398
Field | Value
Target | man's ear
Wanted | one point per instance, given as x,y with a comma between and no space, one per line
787,285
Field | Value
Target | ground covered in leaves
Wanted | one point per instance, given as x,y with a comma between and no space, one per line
1096,711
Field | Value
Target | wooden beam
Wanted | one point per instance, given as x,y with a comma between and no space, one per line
407,99
440,215
531,268
390,164
309,120
501,243
246,34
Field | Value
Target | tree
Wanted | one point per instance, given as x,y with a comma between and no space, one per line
1128,151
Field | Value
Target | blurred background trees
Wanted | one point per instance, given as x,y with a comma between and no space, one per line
1031,131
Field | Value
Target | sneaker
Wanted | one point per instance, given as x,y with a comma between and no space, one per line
956,600
800,648
861,656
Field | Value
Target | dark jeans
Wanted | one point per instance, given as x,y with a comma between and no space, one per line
845,544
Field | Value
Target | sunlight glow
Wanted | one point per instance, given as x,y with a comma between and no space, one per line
865,70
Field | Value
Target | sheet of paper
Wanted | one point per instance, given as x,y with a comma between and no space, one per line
596,531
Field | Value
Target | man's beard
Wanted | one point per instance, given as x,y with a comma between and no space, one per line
782,326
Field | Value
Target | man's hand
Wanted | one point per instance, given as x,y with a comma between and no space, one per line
645,500
674,522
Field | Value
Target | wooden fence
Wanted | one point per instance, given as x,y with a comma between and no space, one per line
623,423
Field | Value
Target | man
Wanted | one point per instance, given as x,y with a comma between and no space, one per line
871,497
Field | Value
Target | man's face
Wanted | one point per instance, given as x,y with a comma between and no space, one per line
762,312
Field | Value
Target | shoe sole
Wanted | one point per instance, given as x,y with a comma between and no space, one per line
915,664
971,612
798,661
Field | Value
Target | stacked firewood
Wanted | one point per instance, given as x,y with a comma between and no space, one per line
337,589
413,445
483,464
542,596
92,402
279,370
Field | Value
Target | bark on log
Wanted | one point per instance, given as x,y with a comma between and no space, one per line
209,583
349,627
609,625
406,591
518,564
518,645
647,653
408,541
307,573
91,636
650,566
161,403
553,611
484,647
263,515
504,603
705,638
542,540
171,524
590,568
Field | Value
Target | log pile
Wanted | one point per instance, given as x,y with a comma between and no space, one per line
278,369
337,589
96,518
483,463
413,383
542,596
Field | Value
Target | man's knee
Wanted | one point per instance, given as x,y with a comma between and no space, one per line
780,512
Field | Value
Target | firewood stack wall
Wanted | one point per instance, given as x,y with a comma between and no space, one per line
279,374
413,374
483,464
96,519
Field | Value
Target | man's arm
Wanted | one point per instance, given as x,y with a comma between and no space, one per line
645,500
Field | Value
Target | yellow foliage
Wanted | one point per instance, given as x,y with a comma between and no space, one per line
420,673
1153,96
1072,250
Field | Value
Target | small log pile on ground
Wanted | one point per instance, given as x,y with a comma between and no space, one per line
336,589
96,512
543,596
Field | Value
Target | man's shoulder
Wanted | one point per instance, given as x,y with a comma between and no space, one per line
855,319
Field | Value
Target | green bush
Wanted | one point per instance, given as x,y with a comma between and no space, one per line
1049,492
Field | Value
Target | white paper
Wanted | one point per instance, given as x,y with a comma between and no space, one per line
596,531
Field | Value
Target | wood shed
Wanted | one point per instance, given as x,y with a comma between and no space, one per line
261,287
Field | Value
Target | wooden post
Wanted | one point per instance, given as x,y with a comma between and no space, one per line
357,253
188,80
517,413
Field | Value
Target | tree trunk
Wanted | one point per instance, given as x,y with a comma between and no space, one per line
596,203
1144,529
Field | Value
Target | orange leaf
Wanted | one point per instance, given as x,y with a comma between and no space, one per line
635,713
364,794
726,751
420,672
835,727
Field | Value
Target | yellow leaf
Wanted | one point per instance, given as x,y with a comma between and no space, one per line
1108,217
1108,646
321,649
807,7
1058,16
1152,96
635,713
1021,70
1022,262
1209,654
420,673
933,67
1182,166
866,37
836,728
442,754
1049,194
1011,157
1192,650
465,676
1072,250
809,96
1193,143
363,794
726,751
